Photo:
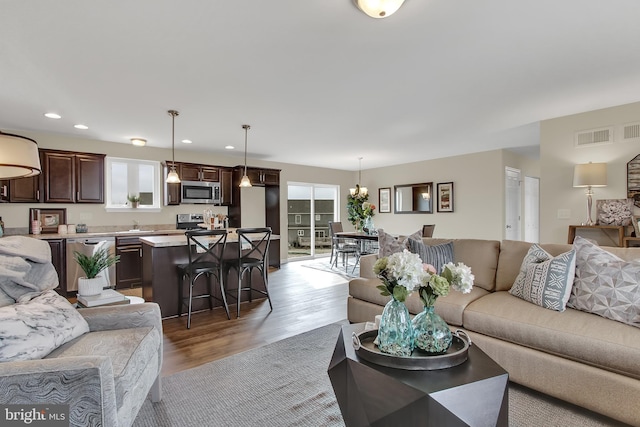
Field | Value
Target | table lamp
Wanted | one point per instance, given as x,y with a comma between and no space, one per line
590,175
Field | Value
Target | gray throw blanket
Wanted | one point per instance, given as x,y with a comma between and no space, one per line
25,269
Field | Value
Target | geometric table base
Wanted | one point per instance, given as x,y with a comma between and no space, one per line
472,394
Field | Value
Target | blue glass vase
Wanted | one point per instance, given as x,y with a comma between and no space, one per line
368,226
431,334
395,335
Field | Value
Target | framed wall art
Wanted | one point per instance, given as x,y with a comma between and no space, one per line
49,219
444,193
384,200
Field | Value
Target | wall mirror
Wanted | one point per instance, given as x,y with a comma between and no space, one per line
414,198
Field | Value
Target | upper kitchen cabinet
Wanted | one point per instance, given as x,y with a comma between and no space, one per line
25,190
194,172
71,177
264,176
226,186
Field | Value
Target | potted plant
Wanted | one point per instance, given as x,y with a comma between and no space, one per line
134,199
92,265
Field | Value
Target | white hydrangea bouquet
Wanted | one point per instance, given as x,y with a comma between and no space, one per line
457,276
401,273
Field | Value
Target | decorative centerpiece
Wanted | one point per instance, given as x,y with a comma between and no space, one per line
431,333
355,207
401,273
368,210
92,266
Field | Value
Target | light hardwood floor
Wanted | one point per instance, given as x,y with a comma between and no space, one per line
303,299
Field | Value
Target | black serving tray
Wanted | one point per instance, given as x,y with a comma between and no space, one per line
419,360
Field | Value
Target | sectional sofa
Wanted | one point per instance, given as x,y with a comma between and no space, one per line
573,355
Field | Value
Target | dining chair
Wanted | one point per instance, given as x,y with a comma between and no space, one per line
253,251
340,246
206,251
427,230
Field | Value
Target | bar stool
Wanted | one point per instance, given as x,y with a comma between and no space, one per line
253,249
205,260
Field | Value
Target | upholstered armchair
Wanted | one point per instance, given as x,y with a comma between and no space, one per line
103,375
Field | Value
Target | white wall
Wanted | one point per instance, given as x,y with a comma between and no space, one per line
558,155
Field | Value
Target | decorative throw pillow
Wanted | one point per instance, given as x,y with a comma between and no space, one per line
545,280
389,244
605,284
35,328
436,255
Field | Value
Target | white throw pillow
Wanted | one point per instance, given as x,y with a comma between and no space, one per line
33,329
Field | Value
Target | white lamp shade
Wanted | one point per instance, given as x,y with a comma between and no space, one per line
172,176
18,156
379,8
590,175
245,182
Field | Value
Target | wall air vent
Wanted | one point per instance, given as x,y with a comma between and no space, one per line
591,137
630,132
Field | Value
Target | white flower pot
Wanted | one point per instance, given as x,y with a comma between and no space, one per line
88,287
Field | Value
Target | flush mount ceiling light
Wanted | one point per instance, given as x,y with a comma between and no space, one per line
378,8
172,176
229,147
245,182
187,141
139,142
82,127
53,116
18,156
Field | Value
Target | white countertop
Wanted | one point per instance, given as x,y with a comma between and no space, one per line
136,233
181,240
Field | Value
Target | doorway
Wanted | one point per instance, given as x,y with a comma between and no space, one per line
513,204
531,209
310,207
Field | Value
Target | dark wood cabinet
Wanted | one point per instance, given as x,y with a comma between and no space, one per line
226,186
72,177
129,269
264,176
20,190
195,172
89,178
59,261
59,177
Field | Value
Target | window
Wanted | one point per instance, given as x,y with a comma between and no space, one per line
132,177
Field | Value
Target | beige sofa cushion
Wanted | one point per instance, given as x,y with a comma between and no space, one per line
573,334
480,255
512,253
450,308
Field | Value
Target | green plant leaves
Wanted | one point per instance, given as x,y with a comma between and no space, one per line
94,264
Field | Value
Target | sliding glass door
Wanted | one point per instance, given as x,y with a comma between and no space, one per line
310,207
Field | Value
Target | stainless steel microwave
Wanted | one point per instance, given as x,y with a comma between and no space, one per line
200,192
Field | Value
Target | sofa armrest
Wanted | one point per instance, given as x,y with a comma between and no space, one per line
366,266
122,317
85,383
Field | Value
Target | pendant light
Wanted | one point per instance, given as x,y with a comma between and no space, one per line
18,156
245,182
359,191
172,176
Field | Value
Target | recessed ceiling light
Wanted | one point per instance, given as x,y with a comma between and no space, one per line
229,147
139,142
53,116
83,127
187,141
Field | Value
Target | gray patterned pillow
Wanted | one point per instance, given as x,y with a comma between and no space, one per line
33,329
605,284
545,280
436,255
389,244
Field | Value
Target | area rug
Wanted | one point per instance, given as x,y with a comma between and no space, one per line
323,265
286,384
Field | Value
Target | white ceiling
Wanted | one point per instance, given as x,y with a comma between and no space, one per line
319,82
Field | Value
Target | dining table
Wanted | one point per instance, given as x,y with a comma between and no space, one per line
362,239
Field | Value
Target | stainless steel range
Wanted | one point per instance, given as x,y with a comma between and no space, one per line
189,221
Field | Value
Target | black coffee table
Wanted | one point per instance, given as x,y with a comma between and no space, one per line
475,393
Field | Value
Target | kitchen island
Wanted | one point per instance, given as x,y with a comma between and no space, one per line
161,280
